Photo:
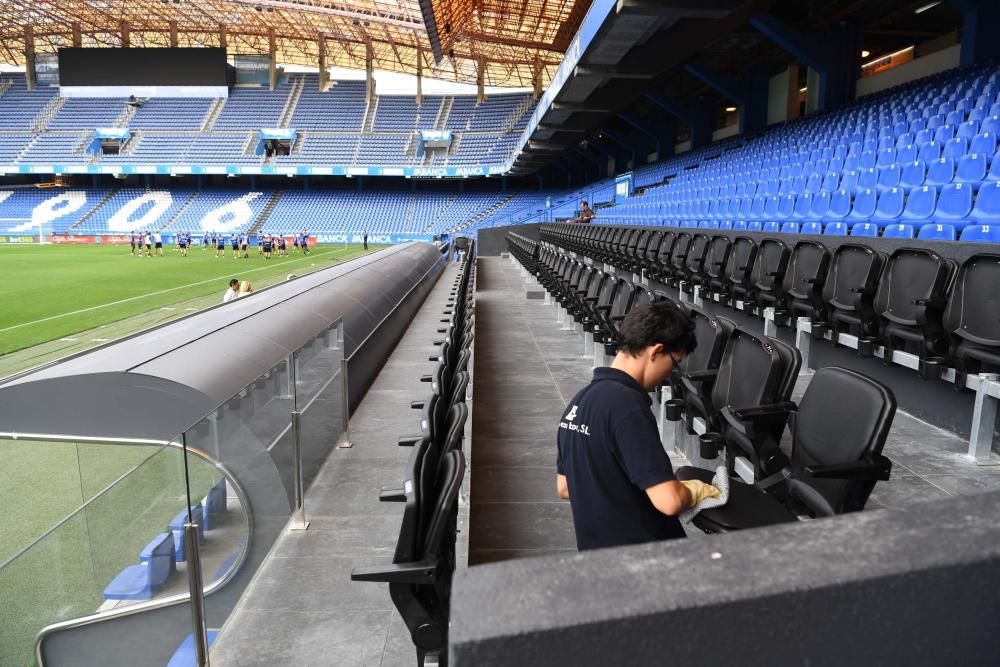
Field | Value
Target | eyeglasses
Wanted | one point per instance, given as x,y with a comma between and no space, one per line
677,362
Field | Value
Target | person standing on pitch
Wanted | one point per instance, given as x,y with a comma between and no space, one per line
182,244
365,239
158,242
131,240
611,465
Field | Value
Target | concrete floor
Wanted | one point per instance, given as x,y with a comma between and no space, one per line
302,608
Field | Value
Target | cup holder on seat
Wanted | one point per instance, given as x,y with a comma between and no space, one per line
673,409
866,346
931,368
709,445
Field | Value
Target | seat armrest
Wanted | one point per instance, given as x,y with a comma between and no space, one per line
701,376
417,572
878,468
409,440
617,318
387,495
417,405
605,307
427,378
592,299
769,410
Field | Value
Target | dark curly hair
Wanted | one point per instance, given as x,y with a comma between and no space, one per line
661,322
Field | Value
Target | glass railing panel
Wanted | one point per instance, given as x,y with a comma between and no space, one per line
320,399
31,508
112,551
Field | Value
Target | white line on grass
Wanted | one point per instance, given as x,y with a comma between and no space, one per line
164,291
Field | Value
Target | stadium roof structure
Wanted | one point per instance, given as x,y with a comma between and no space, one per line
506,42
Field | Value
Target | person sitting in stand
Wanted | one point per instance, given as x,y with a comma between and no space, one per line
586,213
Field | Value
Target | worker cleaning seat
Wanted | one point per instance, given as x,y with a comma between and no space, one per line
838,431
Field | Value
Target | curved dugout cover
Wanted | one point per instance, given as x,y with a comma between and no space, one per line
157,383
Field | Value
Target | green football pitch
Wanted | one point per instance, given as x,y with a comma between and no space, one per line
61,299
53,292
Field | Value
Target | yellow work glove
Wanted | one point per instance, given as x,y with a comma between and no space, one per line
700,490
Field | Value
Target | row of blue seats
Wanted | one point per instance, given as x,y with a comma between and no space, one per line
935,232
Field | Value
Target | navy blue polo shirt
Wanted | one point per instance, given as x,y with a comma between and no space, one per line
610,453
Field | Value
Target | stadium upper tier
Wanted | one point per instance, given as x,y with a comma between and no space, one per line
122,210
335,127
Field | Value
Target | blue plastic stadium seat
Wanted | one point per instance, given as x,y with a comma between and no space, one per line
913,174
930,151
984,143
739,225
726,224
772,227
177,529
956,148
840,205
786,228
214,504
850,181
888,177
864,205
955,204
186,653
867,178
754,226
864,229
937,233
941,171
971,169
987,209
981,233
140,582
889,207
920,204
907,153
898,231
809,228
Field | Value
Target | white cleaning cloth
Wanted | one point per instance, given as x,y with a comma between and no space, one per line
721,482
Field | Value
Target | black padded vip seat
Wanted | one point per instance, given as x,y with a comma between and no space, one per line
910,303
850,292
649,260
675,270
769,274
693,381
613,313
739,272
805,278
838,431
971,316
694,263
716,276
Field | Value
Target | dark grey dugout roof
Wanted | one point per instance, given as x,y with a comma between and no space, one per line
156,384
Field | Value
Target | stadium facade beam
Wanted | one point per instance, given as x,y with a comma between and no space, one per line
125,30
272,49
173,34
980,19
833,58
637,149
223,39
556,127
607,72
750,94
324,75
698,117
420,76
77,36
29,57
579,108
663,133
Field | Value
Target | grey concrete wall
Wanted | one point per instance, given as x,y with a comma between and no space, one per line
920,587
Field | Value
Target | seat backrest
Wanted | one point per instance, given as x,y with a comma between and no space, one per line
159,557
772,261
653,246
416,487
791,362
807,269
717,257
843,417
711,337
750,372
441,508
596,284
910,274
742,258
695,261
622,302
679,255
971,314
666,249
853,267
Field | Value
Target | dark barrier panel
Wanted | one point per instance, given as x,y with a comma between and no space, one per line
920,587
142,67
492,242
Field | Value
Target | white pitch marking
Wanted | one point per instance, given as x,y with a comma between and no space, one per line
143,296
99,340
69,340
